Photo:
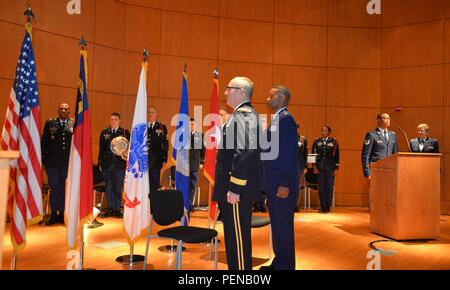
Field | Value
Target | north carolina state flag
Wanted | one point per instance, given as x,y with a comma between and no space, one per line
79,183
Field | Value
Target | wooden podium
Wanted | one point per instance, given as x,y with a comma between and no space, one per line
5,157
405,196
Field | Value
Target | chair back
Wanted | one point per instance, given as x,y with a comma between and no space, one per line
167,206
311,177
98,177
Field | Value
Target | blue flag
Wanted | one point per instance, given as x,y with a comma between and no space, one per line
181,150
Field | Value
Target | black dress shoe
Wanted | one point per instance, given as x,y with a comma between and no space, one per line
61,219
95,224
52,220
105,214
118,214
266,268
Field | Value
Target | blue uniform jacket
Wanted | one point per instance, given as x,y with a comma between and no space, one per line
376,147
284,170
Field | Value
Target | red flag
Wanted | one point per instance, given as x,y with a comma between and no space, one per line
212,138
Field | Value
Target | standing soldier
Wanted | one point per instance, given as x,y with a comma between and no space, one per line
302,144
327,164
158,147
378,143
238,174
112,166
196,160
55,146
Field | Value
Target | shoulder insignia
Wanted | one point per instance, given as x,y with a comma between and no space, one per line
244,110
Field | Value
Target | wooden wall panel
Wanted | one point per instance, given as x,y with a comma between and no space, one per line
110,23
354,87
307,84
248,9
417,86
108,70
73,25
300,45
205,7
354,47
350,125
352,13
5,89
200,76
447,9
143,29
447,40
447,85
412,11
145,3
445,143
60,54
189,35
312,12
425,38
351,169
246,41
10,46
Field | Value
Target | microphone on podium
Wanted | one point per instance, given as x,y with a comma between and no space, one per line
406,138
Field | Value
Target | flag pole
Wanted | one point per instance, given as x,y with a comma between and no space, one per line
30,16
133,259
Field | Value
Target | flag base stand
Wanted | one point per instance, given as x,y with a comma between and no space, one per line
130,259
170,249
94,224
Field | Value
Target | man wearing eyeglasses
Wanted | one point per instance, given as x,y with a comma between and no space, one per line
238,173
378,144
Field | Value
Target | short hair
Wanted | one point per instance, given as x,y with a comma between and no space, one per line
192,119
283,91
223,109
424,126
328,128
115,114
247,86
380,115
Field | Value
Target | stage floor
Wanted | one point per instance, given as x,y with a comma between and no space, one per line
337,240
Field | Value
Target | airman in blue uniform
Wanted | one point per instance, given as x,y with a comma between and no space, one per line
378,143
281,180
423,143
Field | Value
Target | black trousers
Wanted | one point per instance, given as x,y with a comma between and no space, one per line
326,185
193,180
154,176
237,221
57,181
114,187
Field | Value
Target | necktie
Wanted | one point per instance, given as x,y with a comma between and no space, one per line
386,135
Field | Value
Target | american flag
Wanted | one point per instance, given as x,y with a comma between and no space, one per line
21,132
